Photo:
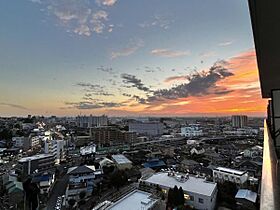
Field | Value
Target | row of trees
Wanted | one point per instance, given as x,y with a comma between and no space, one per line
175,197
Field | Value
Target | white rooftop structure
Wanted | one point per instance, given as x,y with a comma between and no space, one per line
136,200
120,159
87,150
190,184
231,171
35,157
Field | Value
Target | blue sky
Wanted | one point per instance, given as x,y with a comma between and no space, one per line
50,47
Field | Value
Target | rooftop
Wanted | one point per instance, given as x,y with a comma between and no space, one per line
192,184
246,194
35,157
81,169
229,170
87,150
136,200
120,159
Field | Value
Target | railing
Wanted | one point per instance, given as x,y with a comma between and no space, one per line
270,188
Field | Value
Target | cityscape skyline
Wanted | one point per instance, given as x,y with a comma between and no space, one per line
110,57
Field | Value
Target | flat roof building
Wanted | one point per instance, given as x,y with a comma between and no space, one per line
221,174
147,128
198,192
122,162
36,163
135,200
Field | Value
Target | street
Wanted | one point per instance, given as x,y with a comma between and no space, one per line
58,190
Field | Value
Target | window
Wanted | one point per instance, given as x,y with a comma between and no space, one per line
200,200
187,197
191,198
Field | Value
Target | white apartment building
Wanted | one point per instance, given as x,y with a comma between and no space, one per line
91,121
147,128
26,143
239,121
191,131
198,193
55,147
35,141
222,174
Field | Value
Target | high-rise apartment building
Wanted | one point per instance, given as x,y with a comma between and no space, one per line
91,121
239,121
111,135
147,128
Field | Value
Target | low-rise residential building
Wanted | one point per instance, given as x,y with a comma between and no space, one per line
254,168
198,150
253,152
82,178
45,182
155,164
188,165
221,174
198,193
13,187
246,199
122,162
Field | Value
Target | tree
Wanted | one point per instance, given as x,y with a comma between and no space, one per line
226,192
72,203
176,200
170,197
181,196
175,197
118,179
82,195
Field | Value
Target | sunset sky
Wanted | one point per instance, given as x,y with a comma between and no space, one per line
128,58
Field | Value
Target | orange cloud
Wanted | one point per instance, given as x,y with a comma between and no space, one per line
244,98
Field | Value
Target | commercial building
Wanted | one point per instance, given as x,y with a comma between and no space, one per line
147,128
122,162
198,193
239,121
221,174
91,121
36,164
